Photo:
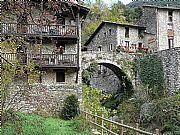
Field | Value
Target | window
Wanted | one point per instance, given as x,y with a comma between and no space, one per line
170,43
99,48
127,44
105,34
170,16
170,26
60,76
126,32
110,31
140,33
140,46
110,47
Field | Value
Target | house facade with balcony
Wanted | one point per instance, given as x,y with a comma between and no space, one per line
53,31
164,23
116,37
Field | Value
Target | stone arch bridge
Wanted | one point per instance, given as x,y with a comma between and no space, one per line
118,62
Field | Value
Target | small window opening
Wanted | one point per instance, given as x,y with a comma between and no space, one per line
140,46
99,48
126,32
111,47
110,31
170,43
60,76
170,16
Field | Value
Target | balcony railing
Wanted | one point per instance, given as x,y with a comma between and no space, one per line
35,29
14,57
55,60
43,60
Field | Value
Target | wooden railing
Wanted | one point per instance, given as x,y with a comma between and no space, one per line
34,29
55,60
98,122
14,57
43,60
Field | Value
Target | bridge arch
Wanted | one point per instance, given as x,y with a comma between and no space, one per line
117,62
125,83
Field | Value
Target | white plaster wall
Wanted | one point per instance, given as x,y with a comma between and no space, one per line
162,28
176,24
150,42
133,36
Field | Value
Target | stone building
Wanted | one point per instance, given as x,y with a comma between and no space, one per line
53,30
114,38
164,23
111,36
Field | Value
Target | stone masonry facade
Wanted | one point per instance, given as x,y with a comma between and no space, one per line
164,22
171,65
46,99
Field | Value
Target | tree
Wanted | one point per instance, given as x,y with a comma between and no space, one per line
99,12
13,69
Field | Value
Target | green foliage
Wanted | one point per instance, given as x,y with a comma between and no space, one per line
99,12
13,69
132,14
88,73
125,92
22,124
129,110
71,107
81,124
28,124
92,101
165,114
56,126
113,100
151,74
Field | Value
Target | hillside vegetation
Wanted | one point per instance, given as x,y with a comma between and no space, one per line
140,3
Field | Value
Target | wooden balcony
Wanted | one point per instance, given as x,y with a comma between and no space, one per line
55,60
14,58
43,60
37,30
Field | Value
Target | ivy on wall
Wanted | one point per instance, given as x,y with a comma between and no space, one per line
151,74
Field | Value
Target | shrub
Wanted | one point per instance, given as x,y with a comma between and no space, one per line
71,107
80,124
164,114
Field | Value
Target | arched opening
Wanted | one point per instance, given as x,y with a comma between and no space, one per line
125,85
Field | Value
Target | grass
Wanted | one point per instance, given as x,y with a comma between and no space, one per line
62,127
25,124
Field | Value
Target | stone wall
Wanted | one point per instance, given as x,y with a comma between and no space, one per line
156,21
105,79
49,77
171,66
47,98
148,19
106,37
